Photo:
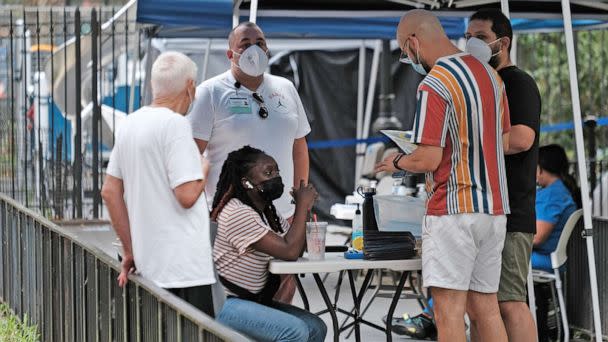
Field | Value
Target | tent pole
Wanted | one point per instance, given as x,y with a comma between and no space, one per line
206,61
359,148
504,7
371,89
582,167
235,12
253,11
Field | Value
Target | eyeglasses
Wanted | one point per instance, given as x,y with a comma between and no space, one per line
263,113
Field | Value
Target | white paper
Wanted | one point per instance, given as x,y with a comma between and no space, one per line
402,139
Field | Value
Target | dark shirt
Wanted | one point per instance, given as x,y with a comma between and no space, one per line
525,107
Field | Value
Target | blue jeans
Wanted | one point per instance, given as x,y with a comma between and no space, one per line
279,322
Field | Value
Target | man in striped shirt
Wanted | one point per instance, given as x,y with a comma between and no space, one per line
461,126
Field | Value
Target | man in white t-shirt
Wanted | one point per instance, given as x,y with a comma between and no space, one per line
154,186
246,106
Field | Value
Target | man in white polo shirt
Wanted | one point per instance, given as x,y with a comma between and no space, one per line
246,106
153,189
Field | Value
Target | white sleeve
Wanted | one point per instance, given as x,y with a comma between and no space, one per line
202,114
113,169
303,125
182,158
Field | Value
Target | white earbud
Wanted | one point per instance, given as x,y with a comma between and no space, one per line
249,185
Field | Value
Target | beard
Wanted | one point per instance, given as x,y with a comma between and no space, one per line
495,59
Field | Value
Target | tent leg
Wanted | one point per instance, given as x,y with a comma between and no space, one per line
504,7
360,94
235,12
206,61
253,11
371,89
582,166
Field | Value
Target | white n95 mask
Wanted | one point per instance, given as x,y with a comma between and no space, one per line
253,61
479,49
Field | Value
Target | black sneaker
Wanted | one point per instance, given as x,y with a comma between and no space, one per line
420,327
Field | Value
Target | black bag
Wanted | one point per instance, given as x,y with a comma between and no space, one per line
379,245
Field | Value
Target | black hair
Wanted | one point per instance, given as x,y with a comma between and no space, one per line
552,158
501,25
235,168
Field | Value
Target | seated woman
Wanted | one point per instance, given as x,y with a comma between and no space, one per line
557,198
250,233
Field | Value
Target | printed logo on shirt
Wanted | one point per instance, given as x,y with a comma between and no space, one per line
239,105
279,102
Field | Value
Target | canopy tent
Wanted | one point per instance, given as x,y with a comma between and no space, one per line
300,19
371,18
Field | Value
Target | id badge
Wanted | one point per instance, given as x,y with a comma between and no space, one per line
239,105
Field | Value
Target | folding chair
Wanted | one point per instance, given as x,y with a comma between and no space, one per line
558,259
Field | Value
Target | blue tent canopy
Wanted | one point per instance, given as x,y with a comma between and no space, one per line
213,19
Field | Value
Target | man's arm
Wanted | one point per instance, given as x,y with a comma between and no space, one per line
543,230
188,193
301,162
113,194
521,140
506,142
425,158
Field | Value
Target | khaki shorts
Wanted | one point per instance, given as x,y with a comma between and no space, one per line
515,267
463,252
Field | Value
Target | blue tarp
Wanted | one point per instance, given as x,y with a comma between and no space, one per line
213,19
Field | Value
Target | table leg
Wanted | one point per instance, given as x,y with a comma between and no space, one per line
337,293
357,305
330,307
391,310
302,292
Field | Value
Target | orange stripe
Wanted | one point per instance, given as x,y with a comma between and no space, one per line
462,174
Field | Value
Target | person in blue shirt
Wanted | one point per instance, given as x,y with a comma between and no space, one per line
556,199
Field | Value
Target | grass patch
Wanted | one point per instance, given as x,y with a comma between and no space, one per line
12,329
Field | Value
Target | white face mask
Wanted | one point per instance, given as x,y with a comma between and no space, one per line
479,49
253,61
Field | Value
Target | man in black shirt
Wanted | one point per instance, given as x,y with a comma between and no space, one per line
493,27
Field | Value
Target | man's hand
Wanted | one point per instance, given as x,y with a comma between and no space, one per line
128,267
387,164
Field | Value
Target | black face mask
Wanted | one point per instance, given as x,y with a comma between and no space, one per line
271,189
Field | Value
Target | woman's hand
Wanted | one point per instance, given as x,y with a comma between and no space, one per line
305,195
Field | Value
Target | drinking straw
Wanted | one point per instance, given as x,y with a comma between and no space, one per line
314,216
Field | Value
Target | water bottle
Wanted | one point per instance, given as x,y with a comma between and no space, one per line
357,234
369,216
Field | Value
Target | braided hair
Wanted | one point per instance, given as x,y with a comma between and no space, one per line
235,168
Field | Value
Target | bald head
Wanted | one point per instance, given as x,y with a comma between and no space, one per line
422,24
245,31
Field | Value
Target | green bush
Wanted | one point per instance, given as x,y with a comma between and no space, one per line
12,329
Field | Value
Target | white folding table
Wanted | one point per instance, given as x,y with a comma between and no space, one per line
335,262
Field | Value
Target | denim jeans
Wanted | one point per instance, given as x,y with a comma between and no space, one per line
279,322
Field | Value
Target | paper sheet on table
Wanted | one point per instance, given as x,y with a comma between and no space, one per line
402,139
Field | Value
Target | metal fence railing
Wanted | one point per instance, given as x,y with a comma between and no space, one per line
67,77
578,298
68,289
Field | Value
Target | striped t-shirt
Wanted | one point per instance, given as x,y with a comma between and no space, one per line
240,226
462,107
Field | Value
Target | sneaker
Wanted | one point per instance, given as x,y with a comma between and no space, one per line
420,327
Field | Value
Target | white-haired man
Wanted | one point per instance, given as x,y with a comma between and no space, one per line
153,189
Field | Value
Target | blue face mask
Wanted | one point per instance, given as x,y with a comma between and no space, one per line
417,66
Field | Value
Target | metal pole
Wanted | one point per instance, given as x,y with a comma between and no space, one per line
24,68
582,166
504,7
206,61
77,174
253,11
12,100
235,13
360,148
371,89
96,113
